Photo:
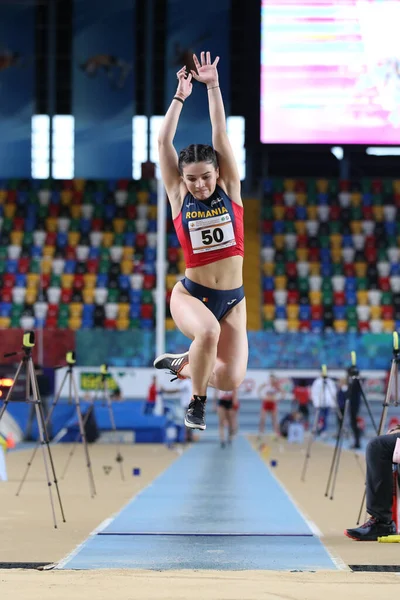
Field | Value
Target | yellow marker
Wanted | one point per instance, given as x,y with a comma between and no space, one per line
70,358
104,369
353,358
389,539
395,340
28,341
323,369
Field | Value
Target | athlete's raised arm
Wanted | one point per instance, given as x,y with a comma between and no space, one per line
167,153
207,73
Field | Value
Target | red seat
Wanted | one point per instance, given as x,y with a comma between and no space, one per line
300,186
110,324
268,297
68,184
51,322
66,295
19,223
78,282
168,295
367,212
149,282
339,298
305,326
77,197
45,280
344,185
141,241
6,295
172,255
293,297
384,284
313,255
51,238
12,196
363,326
290,213
97,224
131,212
52,311
92,265
122,184
147,311
302,240
24,265
8,280
348,270
291,269
70,253
278,198
267,226
316,312
376,186
371,255
370,241
387,312
54,210
334,213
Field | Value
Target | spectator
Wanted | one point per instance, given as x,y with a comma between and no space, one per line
301,393
323,397
268,393
151,397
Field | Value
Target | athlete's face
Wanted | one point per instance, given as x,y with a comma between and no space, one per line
200,179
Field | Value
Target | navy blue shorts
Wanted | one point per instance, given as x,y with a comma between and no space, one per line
220,302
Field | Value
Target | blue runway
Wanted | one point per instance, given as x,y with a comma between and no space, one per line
212,508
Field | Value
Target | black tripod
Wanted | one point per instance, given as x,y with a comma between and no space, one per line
72,391
391,392
322,404
104,378
32,395
355,388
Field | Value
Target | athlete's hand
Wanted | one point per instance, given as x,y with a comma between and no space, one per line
206,71
185,85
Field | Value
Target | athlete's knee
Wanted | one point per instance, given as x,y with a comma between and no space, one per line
228,379
209,334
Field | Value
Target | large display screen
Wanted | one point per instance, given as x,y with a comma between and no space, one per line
330,71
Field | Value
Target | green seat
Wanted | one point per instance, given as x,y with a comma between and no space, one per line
290,256
28,238
327,298
42,211
3,252
388,186
268,325
277,184
55,280
104,253
362,284
290,227
366,185
35,265
101,185
16,310
324,241
15,321
382,255
132,198
377,199
303,284
62,322
98,212
334,227
337,269
88,198
113,295
7,225
103,267
386,298
333,186
267,212
130,227
134,324
351,313
45,184
74,225
119,239
2,266
63,311
352,324
356,213
33,197
280,268
326,285
147,297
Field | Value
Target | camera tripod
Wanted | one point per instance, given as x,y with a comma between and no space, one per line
354,388
32,395
321,405
391,398
104,373
73,395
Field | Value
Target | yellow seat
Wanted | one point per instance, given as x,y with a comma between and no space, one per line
9,210
88,295
67,280
51,224
356,227
360,269
74,323
169,325
119,225
362,297
292,311
31,295
122,324
143,197
293,324
315,297
269,312
126,266
336,254
90,280
312,213
279,241
128,253
378,213
300,227
3,196
315,268
75,309
355,198
268,269
182,266
340,325
396,185
279,212
79,184
322,185
170,281
280,282
49,251
108,238
46,265
375,312
302,254
17,238
66,197
73,238
336,240
76,211
123,310
289,185
32,280
152,214
5,322
388,325
301,198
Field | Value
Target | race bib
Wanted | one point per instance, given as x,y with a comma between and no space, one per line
214,233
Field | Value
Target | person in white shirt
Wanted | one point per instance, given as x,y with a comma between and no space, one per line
185,395
323,397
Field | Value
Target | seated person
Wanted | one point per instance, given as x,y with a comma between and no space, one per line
379,458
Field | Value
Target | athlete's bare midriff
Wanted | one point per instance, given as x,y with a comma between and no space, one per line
225,274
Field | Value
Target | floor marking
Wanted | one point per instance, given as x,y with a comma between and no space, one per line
197,534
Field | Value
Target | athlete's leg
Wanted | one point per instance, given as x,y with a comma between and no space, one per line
230,414
261,426
222,421
199,324
274,419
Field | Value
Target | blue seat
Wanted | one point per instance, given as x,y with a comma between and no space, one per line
268,186
323,199
98,197
153,198
301,213
11,266
325,255
135,296
30,224
152,225
112,185
347,241
326,269
70,266
20,280
22,197
109,211
395,269
339,312
150,254
350,284
367,199
280,312
267,241
88,310
55,197
94,252
351,298
5,309
62,239
391,228
172,240
40,323
87,323
102,280
149,268
147,324
268,283
279,227
134,311
317,326
85,225
304,312
124,282
36,251
129,238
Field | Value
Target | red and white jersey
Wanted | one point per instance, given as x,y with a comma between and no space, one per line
225,395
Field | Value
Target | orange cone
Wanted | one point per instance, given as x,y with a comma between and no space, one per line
10,442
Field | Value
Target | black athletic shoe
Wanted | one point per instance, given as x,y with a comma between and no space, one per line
194,418
173,362
371,530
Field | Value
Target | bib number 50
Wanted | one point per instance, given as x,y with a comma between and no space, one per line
209,236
